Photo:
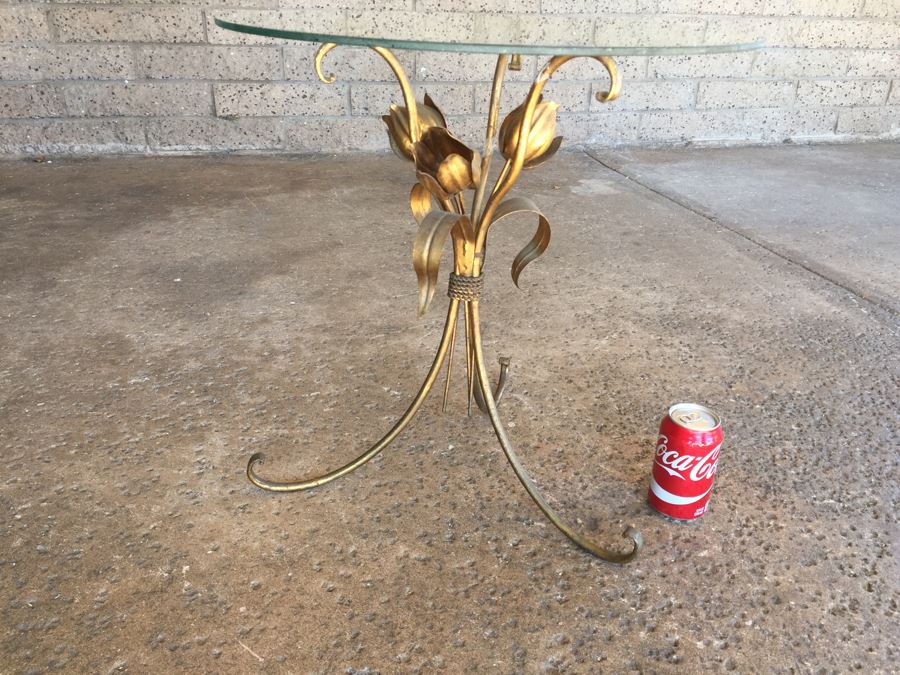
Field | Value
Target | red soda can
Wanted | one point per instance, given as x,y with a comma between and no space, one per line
684,466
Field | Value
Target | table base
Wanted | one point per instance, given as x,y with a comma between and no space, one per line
446,168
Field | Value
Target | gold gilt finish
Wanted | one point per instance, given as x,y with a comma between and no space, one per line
541,138
447,169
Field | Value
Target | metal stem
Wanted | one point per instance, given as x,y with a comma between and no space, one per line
493,114
470,366
409,97
449,366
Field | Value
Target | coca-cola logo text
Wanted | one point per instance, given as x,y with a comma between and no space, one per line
675,464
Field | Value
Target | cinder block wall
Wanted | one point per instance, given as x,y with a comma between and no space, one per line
156,76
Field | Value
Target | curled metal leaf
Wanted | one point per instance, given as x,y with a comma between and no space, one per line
427,250
615,80
539,242
321,52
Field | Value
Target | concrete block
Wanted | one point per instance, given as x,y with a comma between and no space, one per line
830,8
233,4
323,21
598,8
850,34
450,67
67,62
376,99
280,99
878,121
23,24
209,62
336,4
571,96
800,63
549,30
516,6
889,9
873,63
338,135
637,31
777,32
598,128
672,95
692,125
711,6
127,24
842,92
81,137
31,100
745,94
772,124
210,133
104,99
894,98
630,67
411,25
348,64
734,65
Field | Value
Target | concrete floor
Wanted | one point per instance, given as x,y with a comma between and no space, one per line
164,318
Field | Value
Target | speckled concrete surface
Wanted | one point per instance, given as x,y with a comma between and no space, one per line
164,318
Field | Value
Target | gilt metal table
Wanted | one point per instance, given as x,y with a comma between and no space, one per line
446,169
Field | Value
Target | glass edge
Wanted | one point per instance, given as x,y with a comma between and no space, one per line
488,48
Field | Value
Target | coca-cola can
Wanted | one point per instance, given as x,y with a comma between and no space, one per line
684,465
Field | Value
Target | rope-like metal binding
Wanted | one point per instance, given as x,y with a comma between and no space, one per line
465,289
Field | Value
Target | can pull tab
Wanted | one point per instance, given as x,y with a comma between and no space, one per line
688,418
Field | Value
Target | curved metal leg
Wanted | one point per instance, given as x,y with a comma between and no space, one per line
589,546
307,483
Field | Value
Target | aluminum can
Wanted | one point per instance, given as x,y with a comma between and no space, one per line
685,461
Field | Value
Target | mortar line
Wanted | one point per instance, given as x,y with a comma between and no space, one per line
699,210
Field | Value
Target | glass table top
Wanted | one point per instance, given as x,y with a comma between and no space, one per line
616,38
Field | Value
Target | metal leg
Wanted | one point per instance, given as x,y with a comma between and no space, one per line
589,546
307,483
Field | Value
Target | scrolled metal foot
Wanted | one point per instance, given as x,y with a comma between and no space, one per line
307,483
635,538
498,390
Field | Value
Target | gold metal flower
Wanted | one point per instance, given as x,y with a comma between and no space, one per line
444,164
429,115
541,144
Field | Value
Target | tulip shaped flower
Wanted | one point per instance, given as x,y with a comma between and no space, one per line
398,125
541,144
444,164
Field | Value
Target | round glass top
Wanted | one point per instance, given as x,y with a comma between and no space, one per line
630,39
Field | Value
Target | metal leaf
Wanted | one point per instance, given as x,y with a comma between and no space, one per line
554,146
539,242
419,202
427,250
